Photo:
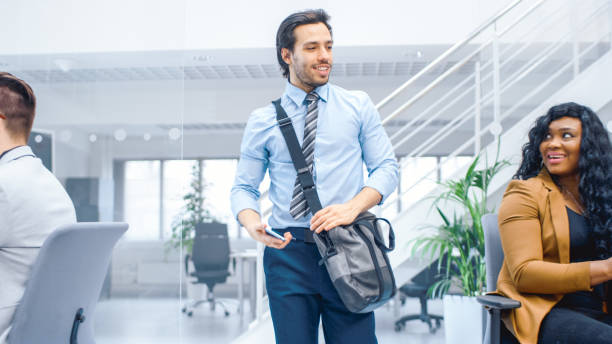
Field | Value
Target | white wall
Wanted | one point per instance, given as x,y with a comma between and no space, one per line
73,26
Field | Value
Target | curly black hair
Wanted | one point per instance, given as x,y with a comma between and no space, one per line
594,168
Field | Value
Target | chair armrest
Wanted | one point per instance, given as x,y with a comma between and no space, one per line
498,302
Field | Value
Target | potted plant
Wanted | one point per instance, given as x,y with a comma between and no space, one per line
184,224
460,239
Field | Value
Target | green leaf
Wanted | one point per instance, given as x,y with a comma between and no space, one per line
461,239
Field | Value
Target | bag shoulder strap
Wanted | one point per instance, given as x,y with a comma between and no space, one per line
303,173
299,162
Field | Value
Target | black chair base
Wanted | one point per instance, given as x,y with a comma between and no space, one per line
401,323
210,299
425,317
188,309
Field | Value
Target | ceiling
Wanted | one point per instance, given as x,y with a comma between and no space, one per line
377,61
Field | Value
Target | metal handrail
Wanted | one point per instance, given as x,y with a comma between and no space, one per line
429,87
523,72
515,52
449,52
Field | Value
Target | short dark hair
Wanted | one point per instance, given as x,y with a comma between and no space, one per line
285,37
17,104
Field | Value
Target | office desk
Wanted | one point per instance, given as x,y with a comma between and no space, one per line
243,257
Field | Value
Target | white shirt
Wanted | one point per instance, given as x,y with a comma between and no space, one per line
32,204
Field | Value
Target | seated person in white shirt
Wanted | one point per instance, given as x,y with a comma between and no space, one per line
32,201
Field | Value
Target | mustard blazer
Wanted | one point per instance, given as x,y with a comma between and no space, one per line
534,231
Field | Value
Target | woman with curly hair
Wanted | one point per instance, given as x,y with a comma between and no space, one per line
555,223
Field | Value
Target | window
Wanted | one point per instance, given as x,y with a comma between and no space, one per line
142,199
154,190
177,177
218,175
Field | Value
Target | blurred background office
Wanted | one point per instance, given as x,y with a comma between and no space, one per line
142,105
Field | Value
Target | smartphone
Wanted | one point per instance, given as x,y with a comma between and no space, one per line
274,234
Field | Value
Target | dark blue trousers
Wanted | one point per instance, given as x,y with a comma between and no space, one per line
300,293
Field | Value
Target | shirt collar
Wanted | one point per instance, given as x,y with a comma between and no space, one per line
15,153
297,95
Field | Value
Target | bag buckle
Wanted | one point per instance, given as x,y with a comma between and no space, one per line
284,121
331,251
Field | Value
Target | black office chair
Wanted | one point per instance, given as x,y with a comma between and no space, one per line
494,304
417,287
210,257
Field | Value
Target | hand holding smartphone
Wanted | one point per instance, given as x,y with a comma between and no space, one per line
274,234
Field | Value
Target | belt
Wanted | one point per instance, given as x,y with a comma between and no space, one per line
299,233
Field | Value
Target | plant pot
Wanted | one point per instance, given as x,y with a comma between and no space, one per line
463,320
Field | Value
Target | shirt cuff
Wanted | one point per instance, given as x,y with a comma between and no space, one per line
384,179
242,201
384,188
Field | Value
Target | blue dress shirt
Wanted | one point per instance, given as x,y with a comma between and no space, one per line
349,134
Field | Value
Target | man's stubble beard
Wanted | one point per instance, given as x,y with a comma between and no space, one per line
303,78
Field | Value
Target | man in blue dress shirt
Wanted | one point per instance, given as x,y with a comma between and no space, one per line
348,133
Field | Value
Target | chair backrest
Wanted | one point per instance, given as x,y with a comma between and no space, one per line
430,274
67,275
494,254
211,247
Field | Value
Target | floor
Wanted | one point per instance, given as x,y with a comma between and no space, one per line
156,321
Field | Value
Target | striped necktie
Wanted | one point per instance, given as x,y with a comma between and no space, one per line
299,207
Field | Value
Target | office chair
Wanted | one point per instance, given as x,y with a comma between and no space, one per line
418,287
58,304
494,304
210,257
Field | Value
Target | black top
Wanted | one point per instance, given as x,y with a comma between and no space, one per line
582,249
582,243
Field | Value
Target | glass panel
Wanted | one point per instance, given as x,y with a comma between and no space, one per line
141,199
110,103
218,175
178,177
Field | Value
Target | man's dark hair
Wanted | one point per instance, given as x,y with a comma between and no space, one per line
17,104
285,37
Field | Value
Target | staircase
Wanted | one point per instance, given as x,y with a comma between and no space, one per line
532,55
494,83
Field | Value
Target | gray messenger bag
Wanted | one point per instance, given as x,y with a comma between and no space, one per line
355,255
